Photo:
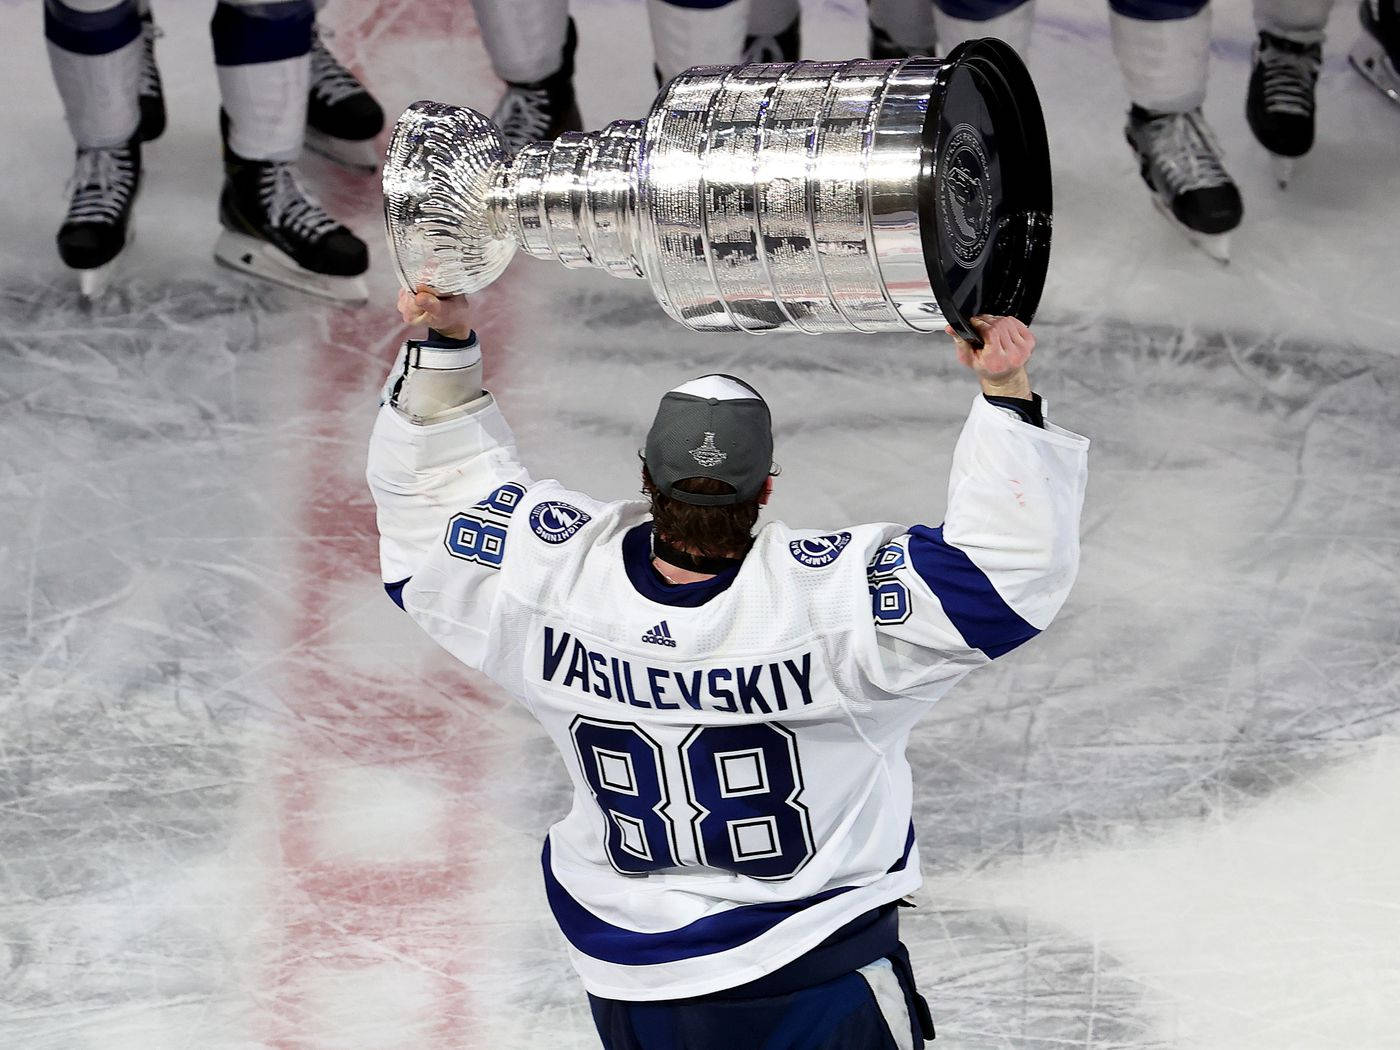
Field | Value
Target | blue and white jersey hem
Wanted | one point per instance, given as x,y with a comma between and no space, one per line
682,978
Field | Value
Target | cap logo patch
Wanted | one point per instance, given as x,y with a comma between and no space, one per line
819,550
555,522
707,455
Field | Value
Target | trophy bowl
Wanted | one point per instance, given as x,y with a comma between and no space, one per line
868,196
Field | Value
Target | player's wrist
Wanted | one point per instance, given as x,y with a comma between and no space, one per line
455,335
1014,384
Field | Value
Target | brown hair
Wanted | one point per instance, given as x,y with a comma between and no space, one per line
713,532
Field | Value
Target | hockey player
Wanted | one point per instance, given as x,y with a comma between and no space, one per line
732,709
1162,48
1376,55
272,227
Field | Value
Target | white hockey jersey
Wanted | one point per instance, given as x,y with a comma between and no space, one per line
737,745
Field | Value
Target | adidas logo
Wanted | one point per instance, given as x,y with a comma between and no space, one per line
660,635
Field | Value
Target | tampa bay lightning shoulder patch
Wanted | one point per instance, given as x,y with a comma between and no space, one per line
555,521
819,550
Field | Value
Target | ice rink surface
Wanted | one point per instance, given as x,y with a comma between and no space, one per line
246,805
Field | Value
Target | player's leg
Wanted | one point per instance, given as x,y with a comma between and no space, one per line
774,31
901,28
1376,54
960,20
687,33
1282,101
151,92
1163,47
531,44
342,117
272,228
95,53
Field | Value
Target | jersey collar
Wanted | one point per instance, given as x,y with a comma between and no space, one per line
646,581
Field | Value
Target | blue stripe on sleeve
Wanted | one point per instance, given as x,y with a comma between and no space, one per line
395,591
270,32
91,33
980,614
600,939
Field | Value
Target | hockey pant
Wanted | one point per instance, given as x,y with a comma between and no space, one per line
874,1008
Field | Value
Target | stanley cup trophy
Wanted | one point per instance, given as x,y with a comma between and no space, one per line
875,196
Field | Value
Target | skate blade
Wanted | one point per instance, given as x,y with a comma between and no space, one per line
1370,60
1216,245
1283,169
260,259
364,155
93,284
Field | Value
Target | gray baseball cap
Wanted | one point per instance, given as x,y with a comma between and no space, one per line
717,427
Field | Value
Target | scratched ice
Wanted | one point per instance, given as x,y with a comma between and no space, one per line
244,805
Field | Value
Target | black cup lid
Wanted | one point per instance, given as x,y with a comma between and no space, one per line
985,201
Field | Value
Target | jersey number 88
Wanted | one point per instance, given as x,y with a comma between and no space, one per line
743,783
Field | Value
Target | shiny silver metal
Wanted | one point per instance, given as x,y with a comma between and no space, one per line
752,198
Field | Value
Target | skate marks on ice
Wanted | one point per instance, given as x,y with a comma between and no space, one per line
1229,644
1236,615
997,980
140,558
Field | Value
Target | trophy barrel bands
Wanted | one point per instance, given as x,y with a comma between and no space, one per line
575,199
438,176
840,196
774,195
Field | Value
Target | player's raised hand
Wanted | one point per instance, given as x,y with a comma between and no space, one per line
1001,362
449,315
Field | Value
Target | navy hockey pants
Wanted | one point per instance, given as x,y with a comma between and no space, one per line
842,1014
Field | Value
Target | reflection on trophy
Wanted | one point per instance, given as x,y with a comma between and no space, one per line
813,196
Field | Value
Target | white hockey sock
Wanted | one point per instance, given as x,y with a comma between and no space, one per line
1303,21
1164,62
95,54
1014,27
909,23
771,17
687,36
261,52
525,38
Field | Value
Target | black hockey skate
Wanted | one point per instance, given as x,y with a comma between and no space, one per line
274,230
783,46
342,117
1376,53
1181,164
541,110
151,94
1283,99
95,230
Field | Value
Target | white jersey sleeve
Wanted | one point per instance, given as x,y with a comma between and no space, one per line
996,572
445,494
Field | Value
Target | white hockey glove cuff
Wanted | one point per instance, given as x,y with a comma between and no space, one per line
435,379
